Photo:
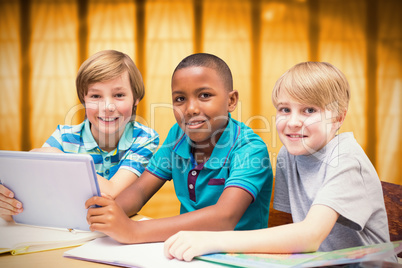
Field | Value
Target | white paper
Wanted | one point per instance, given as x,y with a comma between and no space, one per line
15,236
107,250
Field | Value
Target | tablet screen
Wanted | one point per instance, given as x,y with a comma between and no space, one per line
53,187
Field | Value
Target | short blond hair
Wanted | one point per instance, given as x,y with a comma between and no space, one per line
316,83
106,65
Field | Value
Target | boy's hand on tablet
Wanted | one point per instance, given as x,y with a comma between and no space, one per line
8,204
109,218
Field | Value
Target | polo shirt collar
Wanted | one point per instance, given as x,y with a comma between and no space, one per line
222,148
225,144
87,137
183,146
126,139
124,142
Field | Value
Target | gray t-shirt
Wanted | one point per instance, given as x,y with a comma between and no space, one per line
341,177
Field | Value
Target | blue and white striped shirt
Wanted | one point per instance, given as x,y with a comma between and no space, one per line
134,150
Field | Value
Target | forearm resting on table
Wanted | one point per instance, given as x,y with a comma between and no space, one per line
222,216
290,238
131,203
304,236
158,230
137,194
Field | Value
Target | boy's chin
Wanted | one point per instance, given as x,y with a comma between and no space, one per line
302,151
198,142
111,131
294,150
297,153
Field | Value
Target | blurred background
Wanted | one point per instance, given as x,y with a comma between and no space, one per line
43,43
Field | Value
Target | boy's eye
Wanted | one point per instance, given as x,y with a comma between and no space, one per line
94,96
205,95
120,95
179,99
309,110
284,110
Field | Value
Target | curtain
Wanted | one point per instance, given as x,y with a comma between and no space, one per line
53,67
43,43
10,114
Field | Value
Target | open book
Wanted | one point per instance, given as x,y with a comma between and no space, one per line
19,239
106,250
372,253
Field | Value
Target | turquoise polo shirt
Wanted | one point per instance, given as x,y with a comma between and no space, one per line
136,146
240,159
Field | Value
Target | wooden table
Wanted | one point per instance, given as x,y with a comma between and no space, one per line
49,258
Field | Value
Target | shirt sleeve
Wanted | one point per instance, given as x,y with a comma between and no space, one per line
138,155
55,140
250,168
344,190
161,163
281,192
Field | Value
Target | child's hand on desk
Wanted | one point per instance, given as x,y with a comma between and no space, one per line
8,204
185,245
109,218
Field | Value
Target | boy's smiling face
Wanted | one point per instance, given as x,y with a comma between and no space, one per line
201,104
304,129
108,106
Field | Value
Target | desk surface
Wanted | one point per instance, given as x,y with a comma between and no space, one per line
50,258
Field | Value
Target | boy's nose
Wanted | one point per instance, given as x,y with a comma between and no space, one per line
192,108
109,105
295,120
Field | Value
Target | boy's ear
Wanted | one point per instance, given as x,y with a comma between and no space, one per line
136,102
233,99
340,118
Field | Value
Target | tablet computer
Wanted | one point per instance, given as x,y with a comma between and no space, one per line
52,187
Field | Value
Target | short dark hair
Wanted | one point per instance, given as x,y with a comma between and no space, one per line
208,61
